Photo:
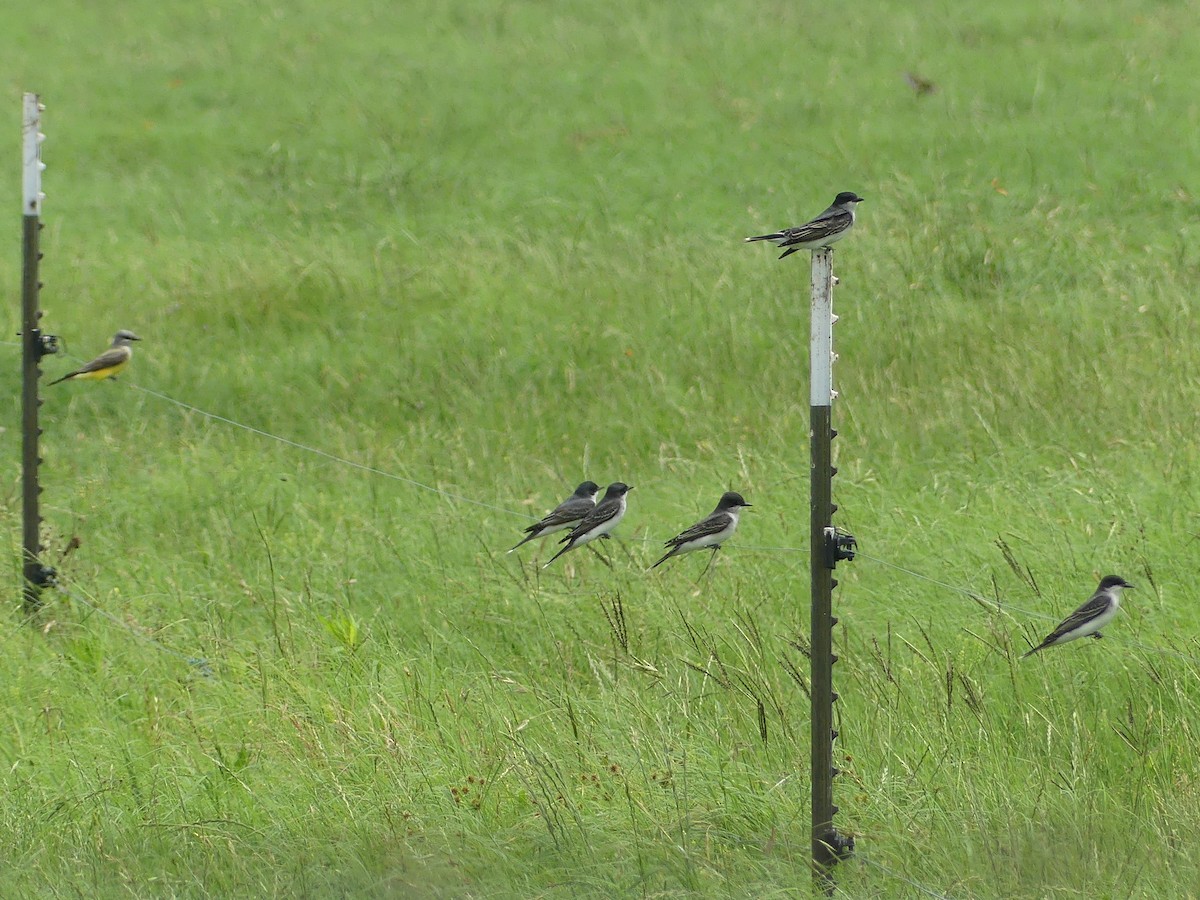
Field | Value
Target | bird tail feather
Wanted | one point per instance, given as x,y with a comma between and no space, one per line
558,554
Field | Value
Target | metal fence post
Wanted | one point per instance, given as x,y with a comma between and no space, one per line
827,548
35,345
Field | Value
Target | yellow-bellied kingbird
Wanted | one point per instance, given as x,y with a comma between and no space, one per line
108,363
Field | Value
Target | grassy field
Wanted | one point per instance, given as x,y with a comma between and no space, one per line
494,248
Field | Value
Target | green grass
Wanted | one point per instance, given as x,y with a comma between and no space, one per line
495,248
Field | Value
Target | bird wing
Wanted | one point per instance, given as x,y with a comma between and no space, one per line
714,524
106,360
1095,605
568,511
597,516
829,222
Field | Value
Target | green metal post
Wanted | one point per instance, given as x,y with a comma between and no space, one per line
37,576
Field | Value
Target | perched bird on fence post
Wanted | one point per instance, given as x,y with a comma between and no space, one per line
830,226
107,364
599,522
567,514
1093,615
710,532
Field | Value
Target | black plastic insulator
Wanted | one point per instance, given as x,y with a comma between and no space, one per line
834,697
833,507
839,547
833,735
833,582
45,344
840,845
833,620
836,771
42,576
833,658
833,470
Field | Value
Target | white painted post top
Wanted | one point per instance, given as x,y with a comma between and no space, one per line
821,354
31,143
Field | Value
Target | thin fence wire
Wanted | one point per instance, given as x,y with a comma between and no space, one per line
198,662
385,474
1007,609
203,666
892,873
987,603
217,417
1166,651
327,455
333,457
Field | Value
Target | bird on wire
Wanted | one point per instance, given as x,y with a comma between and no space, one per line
109,363
1093,615
830,226
567,514
710,532
599,522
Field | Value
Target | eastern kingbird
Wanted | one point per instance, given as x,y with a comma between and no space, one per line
1089,618
567,514
832,225
108,363
599,522
711,531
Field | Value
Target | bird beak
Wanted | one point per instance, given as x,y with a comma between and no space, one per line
747,504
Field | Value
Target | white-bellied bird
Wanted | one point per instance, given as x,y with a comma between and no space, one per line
566,515
599,522
830,226
711,531
1093,615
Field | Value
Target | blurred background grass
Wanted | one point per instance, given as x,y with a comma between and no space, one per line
495,248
